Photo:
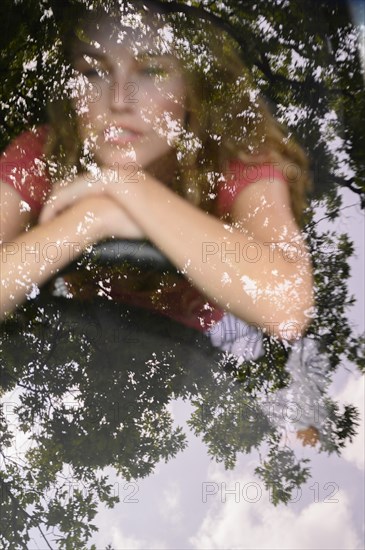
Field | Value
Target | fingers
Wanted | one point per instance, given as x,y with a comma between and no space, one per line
62,199
54,206
65,194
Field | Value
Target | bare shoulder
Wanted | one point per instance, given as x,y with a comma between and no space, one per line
263,210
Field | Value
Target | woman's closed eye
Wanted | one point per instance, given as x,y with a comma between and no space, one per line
92,73
92,68
153,70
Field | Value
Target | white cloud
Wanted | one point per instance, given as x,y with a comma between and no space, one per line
170,506
122,542
260,525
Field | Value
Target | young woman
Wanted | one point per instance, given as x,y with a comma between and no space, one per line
161,135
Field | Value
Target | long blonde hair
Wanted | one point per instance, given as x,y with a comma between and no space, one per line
226,120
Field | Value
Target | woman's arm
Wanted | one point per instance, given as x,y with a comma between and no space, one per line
236,265
30,258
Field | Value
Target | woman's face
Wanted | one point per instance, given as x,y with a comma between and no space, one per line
130,94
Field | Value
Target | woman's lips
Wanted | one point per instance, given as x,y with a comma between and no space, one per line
120,135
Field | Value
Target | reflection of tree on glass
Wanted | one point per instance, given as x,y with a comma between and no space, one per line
163,136
156,131
79,408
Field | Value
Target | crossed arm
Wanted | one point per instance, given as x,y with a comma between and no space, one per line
232,264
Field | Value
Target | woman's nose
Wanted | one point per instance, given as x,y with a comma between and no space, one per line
123,91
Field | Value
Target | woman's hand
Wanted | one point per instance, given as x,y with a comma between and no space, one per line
114,220
112,217
106,181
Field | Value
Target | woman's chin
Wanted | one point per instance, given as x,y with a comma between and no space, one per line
161,165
